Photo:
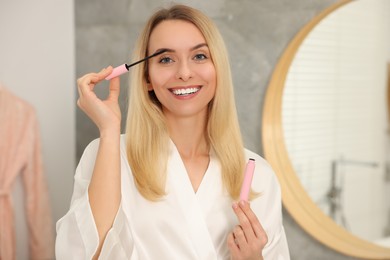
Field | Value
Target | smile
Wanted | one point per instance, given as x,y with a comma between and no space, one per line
185,91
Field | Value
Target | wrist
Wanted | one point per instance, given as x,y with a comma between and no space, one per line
110,133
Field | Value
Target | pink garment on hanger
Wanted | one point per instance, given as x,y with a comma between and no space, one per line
20,154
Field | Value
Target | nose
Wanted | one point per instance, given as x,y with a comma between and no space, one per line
184,71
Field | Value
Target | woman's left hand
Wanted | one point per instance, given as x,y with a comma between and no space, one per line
247,240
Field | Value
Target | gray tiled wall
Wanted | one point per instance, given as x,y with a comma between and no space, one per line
256,33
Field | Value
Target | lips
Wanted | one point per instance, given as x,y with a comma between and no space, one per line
185,91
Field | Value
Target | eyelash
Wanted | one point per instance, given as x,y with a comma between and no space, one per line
164,60
198,57
204,56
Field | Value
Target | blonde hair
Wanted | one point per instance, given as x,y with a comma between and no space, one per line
147,133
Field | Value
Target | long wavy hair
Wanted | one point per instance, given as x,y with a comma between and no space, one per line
146,129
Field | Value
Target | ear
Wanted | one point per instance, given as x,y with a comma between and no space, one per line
150,87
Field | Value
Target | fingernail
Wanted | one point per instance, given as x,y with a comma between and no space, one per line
235,205
242,202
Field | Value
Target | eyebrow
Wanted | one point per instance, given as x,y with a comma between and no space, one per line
200,45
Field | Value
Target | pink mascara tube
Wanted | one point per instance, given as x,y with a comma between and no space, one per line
125,67
246,185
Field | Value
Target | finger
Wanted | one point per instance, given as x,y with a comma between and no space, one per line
114,89
88,75
105,72
83,80
244,222
240,238
232,245
78,86
87,83
101,75
91,79
78,90
255,223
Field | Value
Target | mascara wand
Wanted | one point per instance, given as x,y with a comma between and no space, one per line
125,67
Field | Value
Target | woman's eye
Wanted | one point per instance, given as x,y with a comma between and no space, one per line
200,56
165,60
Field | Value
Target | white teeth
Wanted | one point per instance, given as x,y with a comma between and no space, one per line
185,91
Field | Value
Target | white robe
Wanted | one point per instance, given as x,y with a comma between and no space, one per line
183,225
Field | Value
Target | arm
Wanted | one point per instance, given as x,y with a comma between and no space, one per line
77,235
105,187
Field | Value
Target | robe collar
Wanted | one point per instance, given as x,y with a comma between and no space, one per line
195,206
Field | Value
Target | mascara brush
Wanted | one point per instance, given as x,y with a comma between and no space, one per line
125,67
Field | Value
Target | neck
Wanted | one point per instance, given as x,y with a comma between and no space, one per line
189,136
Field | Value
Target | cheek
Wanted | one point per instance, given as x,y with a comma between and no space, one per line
159,77
209,74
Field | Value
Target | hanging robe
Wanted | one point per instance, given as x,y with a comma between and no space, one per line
20,155
182,225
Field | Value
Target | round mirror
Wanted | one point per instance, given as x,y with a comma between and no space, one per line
325,128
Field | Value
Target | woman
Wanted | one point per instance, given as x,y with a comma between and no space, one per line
168,188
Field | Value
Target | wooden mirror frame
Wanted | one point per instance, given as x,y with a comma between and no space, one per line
295,198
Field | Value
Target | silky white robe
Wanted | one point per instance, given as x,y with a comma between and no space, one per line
183,225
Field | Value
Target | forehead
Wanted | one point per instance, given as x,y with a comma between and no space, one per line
175,34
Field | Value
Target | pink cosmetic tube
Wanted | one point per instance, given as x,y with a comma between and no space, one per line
246,185
122,69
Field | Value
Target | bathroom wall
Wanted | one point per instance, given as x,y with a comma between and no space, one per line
256,33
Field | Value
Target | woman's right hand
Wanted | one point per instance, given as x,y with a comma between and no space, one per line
106,113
